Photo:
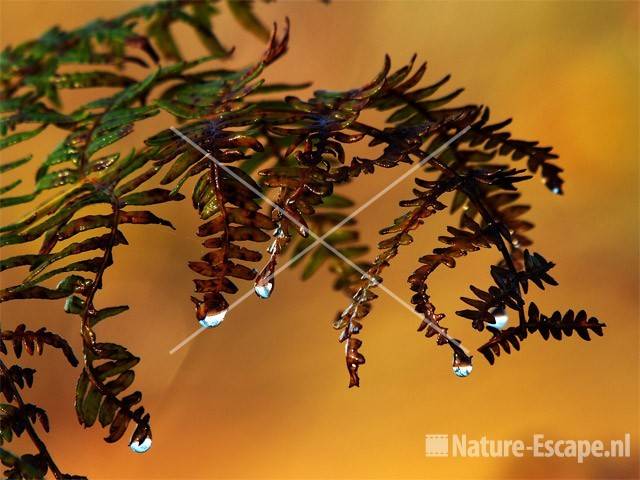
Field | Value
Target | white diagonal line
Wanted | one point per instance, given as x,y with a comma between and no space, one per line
321,240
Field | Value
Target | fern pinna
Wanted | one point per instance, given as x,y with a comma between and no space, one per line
248,141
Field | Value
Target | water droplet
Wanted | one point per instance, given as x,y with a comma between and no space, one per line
263,285
213,319
263,290
141,447
373,281
461,364
556,190
501,317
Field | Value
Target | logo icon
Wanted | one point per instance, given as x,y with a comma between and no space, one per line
437,445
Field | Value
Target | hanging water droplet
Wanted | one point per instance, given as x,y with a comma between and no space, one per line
556,190
141,438
461,364
263,285
141,447
501,318
263,290
373,281
213,319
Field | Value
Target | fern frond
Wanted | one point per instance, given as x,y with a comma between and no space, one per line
34,341
240,139
232,215
555,326
17,416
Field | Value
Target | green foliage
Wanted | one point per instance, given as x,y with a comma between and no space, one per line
236,145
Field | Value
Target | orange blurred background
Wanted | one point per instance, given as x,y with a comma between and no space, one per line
266,396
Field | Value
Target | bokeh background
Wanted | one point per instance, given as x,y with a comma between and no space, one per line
266,395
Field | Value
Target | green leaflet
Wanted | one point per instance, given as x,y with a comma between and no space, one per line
91,265
280,87
5,167
57,219
91,79
9,187
66,151
242,10
210,208
160,31
181,110
11,201
123,168
202,25
318,257
107,138
81,390
90,222
28,466
74,305
63,289
194,170
102,163
181,164
52,206
106,313
36,114
49,181
121,383
107,412
89,244
425,92
150,197
122,116
20,260
118,427
57,179
134,91
91,404
137,181
352,252
20,137
401,114
11,104
336,201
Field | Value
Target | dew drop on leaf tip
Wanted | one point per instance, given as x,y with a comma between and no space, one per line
213,319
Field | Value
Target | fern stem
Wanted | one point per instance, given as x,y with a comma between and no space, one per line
88,335
87,332
216,184
384,261
492,223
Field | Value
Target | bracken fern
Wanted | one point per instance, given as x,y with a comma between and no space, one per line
257,141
